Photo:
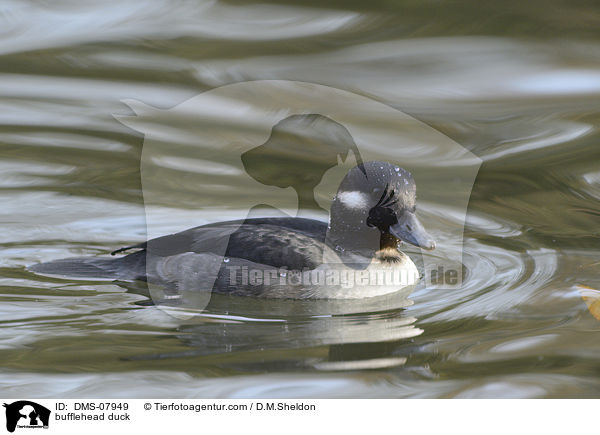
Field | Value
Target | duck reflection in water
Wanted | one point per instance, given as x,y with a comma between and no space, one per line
249,334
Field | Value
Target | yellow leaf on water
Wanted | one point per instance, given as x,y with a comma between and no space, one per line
591,297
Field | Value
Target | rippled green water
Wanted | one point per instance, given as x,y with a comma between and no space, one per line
518,86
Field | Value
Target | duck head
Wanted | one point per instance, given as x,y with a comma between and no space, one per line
374,209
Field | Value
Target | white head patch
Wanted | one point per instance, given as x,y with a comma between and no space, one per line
354,199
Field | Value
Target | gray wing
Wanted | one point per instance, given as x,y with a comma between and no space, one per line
211,257
269,243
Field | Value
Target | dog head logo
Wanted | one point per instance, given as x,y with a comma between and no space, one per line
283,148
27,414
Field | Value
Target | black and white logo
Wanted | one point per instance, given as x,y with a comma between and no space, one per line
26,414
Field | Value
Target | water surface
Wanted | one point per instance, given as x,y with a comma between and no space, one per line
518,87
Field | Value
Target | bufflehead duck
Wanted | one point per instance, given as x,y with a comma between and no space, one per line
356,255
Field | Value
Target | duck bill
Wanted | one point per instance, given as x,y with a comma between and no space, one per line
410,230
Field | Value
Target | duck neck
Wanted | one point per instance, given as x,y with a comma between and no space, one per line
388,248
388,241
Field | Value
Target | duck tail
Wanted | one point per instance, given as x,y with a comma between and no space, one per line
126,268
